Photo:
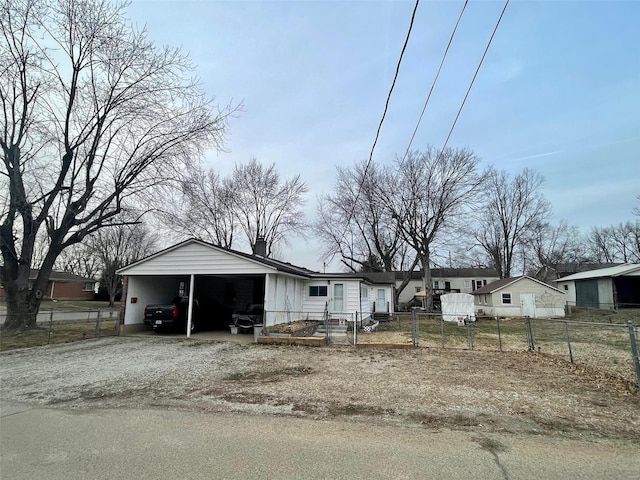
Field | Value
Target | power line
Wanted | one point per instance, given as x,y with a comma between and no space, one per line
395,77
474,76
384,114
435,80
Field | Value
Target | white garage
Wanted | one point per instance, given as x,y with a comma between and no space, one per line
223,281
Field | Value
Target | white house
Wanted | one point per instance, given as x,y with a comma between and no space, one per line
235,279
519,297
604,288
445,280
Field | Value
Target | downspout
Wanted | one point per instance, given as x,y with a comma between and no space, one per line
53,286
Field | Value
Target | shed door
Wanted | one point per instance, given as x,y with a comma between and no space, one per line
338,297
528,304
587,293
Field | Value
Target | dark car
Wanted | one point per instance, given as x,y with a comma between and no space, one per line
173,316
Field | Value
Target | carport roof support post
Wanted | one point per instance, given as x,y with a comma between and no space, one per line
190,310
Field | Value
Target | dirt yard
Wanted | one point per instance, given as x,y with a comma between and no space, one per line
424,388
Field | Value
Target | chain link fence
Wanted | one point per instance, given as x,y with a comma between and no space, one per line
608,347
60,327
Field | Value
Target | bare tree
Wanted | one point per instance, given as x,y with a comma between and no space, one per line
615,243
93,115
265,206
354,223
203,207
79,259
116,247
427,194
550,246
514,208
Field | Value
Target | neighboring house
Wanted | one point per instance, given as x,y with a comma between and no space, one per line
519,297
236,279
64,286
445,280
605,288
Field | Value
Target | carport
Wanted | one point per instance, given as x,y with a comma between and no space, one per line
220,281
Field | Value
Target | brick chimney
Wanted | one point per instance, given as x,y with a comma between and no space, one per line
260,247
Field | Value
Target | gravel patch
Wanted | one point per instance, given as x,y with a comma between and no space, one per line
428,388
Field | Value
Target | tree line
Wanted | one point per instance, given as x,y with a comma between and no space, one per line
101,129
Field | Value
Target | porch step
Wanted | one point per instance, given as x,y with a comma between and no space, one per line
333,329
381,316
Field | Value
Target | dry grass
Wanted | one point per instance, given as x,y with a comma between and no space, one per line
57,332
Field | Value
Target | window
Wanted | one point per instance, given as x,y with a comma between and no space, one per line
566,287
466,283
436,284
87,286
364,292
506,298
318,291
447,286
418,289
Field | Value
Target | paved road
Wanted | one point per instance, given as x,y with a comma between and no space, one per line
152,444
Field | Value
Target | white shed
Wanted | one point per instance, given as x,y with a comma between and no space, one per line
519,297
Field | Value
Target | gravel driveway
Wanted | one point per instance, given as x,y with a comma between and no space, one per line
428,388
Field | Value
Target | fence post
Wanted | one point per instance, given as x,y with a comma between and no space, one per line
414,327
50,326
98,318
442,331
355,331
499,334
527,323
566,332
634,351
470,335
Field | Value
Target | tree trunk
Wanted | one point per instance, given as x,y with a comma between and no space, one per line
22,304
428,284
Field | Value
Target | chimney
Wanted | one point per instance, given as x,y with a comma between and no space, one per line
260,247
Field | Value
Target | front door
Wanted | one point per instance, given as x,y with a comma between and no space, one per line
338,297
528,304
381,303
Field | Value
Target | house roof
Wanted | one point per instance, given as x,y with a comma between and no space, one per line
451,273
57,276
278,265
371,277
616,271
270,262
505,282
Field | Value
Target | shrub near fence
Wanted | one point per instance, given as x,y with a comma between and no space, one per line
62,327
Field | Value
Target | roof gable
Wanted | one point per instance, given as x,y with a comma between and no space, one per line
505,282
201,258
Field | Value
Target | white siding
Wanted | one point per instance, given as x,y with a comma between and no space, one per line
196,258
549,301
409,291
284,294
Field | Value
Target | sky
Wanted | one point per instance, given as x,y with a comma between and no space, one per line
559,90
